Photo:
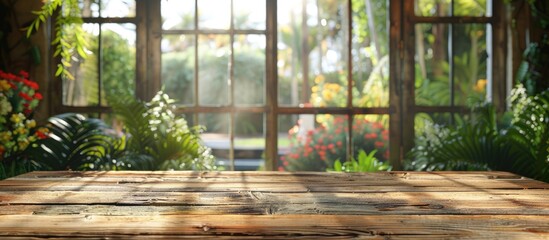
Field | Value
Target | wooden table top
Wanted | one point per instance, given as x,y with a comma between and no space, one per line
384,205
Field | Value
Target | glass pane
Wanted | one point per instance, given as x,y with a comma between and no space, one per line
84,89
371,132
432,81
214,14
89,8
178,67
312,53
314,142
213,69
249,144
250,14
433,7
249,69
469,68
473,8
117,60
216,135
177,14
117,8
370,54
470,63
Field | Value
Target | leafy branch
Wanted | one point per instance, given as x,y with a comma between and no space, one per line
69,34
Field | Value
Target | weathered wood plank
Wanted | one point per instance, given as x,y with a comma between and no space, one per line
487,226
497,202
415,205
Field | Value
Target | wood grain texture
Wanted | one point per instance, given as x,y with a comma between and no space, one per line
384,205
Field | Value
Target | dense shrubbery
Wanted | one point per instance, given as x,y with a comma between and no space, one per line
317,149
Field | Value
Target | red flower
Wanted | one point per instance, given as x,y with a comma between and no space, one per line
30,84
25,96
38,96
370,136
379,144
339,143
41,135
24,74
280,169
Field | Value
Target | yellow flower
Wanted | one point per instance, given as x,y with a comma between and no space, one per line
17,118
315,88
480,86
319,79
21,131
23,143
5,136
327,95
30,123
4,86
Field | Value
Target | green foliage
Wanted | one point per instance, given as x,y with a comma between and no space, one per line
533,71
482,144
158,139
77,143
365,163
69,36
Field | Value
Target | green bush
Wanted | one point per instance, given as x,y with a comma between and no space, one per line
484,143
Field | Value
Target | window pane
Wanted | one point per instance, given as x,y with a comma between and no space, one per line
470,63
469,55
433,7
312,53
117,60
473,8
178,70
213,69
370,54
371,132
177,14
214,14
89,8
313,143
117,8
216,135
84,89
250,14
432,65
249,144
249,69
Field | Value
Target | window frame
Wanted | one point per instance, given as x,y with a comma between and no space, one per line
402,107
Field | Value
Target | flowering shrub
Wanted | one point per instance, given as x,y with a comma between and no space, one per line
317,149
19,96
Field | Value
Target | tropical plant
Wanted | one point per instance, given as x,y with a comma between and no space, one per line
157,138
78,143
533,71
363,163
485,144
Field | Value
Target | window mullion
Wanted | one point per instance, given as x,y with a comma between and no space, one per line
271,89
231,91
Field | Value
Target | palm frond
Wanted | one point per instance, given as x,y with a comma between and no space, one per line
75,142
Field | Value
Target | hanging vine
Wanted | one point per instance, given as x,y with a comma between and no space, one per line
68,39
